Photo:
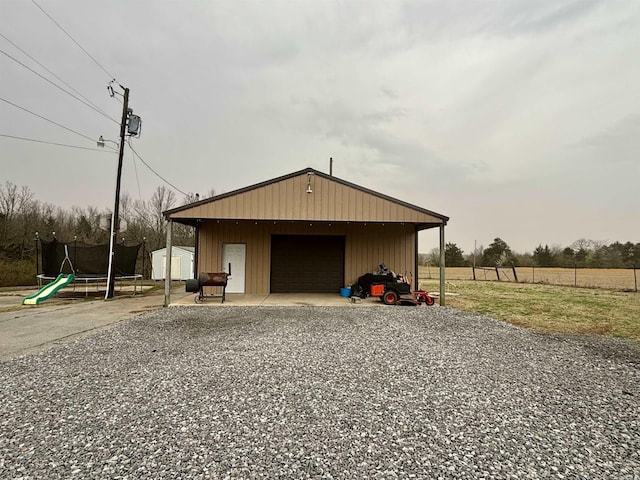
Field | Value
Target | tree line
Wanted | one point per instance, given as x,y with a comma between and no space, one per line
22,215
581,253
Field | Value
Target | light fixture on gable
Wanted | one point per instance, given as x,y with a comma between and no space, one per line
309,190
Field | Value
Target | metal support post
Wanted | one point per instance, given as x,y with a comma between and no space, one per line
442,266
167,275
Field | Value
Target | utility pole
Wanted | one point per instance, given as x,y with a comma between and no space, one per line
116,208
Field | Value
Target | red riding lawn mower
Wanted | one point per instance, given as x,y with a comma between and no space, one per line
391,288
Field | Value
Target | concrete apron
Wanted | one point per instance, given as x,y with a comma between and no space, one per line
29,329
275,299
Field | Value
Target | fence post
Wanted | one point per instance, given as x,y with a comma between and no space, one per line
37,259
497,273
75,251
515,275
635,279
533,268
474,271
144,254
575,274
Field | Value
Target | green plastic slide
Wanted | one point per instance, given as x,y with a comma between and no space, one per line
49,290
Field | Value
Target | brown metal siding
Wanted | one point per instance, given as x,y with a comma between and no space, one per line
330,201
366,246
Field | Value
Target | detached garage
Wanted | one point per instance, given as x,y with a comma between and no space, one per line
304,232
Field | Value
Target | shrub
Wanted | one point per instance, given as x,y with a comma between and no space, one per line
14,273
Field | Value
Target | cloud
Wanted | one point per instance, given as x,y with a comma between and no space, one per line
623,138
515,107
454,20
534,18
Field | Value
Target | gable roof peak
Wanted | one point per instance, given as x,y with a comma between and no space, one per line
304,171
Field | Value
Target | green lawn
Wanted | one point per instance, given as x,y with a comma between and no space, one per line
548,308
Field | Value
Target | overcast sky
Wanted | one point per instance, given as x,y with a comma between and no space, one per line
518,119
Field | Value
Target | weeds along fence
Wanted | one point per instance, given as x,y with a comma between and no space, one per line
18,272
614,278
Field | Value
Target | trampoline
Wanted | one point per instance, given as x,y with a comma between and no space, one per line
88,263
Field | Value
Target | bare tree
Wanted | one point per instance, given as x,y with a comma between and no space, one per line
433,257
16,219
161,200
127,211
190,198
582,244
150,220
14,201
210,193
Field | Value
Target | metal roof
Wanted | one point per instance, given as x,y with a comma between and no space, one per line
285,208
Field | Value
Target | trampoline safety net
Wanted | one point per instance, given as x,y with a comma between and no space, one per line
87,260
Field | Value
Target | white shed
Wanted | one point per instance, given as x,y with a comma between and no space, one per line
181,263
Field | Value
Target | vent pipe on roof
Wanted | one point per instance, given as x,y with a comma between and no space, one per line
331,166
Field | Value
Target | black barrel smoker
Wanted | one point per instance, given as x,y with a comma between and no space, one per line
211,279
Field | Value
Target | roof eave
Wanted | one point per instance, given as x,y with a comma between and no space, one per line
168,213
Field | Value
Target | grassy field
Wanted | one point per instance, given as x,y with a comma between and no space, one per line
548,308
612,278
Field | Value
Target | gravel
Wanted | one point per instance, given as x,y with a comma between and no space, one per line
322,392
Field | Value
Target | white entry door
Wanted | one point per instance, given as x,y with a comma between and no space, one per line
236,255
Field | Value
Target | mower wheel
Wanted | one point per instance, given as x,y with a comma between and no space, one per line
430,301
390,297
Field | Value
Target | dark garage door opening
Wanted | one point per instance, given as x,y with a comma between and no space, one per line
307,263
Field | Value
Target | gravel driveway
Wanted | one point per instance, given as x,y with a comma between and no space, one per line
322,392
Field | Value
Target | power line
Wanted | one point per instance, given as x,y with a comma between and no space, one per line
57,144
48,120
59,87
73,39
49,71
156,173
135,169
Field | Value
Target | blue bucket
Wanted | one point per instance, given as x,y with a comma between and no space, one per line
345,292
